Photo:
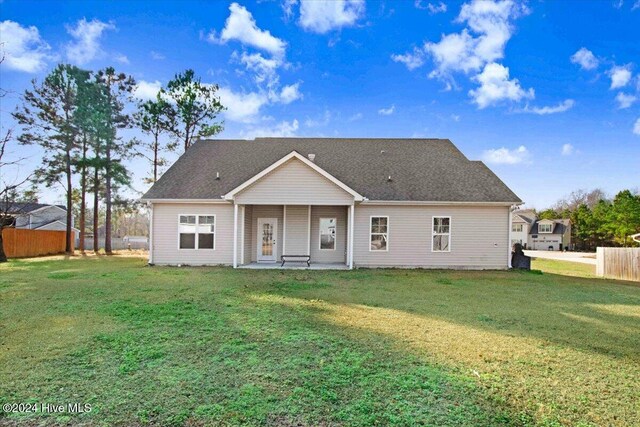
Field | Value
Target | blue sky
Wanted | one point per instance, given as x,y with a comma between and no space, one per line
546,93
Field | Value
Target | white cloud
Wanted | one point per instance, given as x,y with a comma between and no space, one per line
157,56
323,121
387,111
491,22
355,117
488,28
121,59
431,7
264,69
241,26
322,16
565,105
585,58
624,100
242,107
284,128
23,48
290,93
567,149
505,156
147,90
87,34
636,127
287,8
455,117
495,86
411,60
620,76
636,5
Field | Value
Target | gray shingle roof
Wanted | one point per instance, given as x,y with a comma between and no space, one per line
420,169
26,207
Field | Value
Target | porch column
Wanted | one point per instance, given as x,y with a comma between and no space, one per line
242,233
309,231
509,237
284,230
352,211
235,235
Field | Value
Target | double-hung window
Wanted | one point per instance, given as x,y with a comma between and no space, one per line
328,233
517,227
379,235
544,228
441,234
197,231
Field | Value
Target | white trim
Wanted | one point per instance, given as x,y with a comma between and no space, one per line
43,208
284,230
386,249
510,237
335,240
433,233
435,203
150,205
243,233
230,195
49,223
352,211
215,232
190,201
309,230
235,235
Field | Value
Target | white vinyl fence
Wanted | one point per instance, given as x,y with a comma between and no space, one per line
618,263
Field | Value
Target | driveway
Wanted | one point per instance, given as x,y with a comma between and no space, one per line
582,257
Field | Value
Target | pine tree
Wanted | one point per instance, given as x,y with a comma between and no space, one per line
47,119
197,104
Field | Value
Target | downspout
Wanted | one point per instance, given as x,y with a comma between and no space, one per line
511,209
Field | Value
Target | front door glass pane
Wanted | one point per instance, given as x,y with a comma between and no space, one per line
267,239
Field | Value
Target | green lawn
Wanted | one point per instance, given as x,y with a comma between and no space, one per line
214,346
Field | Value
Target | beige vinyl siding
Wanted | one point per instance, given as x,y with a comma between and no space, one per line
479,237
329,256
165,234
248,220
294,183
265,211
297,234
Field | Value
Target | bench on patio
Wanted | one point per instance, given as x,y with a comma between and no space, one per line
296,258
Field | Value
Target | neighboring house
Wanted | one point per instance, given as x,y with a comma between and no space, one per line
347,202
39,216
535,234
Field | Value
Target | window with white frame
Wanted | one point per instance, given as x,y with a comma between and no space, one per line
197,231
544,228
441,233
328,233
379,233
517,227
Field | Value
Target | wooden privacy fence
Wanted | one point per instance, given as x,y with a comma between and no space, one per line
21,243
618,263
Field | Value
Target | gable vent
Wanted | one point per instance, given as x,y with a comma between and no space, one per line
312,157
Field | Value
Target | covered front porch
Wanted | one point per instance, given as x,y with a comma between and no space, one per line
264,233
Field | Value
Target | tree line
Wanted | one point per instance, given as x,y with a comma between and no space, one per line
79,117
597,220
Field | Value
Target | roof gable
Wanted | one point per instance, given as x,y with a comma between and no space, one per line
283,162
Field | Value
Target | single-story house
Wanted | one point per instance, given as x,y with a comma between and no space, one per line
38,216
339,202
540,234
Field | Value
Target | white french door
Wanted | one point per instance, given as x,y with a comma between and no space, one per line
267,239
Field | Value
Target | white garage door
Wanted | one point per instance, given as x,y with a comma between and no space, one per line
544,244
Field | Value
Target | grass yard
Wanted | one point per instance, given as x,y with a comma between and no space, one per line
213,346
